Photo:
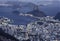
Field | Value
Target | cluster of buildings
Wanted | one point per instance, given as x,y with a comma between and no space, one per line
44,29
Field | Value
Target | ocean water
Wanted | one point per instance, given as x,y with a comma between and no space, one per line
50,10
7,12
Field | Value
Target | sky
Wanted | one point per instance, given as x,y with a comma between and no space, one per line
30,0
34,1
38,0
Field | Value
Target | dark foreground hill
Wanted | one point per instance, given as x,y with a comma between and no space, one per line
57,16
6,37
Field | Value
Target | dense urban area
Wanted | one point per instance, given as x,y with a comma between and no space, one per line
44,29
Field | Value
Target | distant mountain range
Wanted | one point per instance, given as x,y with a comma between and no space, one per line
49,9
23,7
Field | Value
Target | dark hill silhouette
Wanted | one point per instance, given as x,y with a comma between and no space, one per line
37,12
7,36
57,16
